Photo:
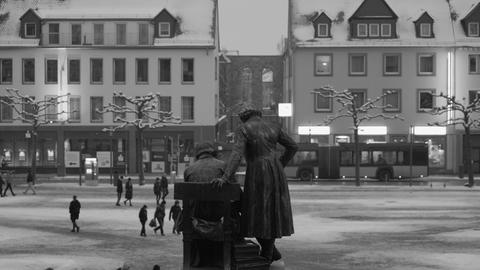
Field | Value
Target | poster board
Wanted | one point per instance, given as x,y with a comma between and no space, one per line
72,159
103,158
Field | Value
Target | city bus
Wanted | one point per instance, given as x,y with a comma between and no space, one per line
382,161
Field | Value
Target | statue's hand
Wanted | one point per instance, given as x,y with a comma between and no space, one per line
217,183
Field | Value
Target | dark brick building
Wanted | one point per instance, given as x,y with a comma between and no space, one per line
254,79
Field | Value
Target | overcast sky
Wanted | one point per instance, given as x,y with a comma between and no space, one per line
253,27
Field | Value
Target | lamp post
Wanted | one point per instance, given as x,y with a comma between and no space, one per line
28,135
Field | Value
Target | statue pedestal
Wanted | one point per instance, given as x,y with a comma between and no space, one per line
278,265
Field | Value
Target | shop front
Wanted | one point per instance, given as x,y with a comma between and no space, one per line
16,148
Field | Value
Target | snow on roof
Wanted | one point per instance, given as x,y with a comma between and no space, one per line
196,17
407,10
462,8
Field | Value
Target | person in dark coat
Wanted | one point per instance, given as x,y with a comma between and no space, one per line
74,213
8,181
206,168
119,190
128,192
30,183
2,182
160,216
143,216
266,209
164,186
175,213
156,190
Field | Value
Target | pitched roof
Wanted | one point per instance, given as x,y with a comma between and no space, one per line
196,16
374,9
406,10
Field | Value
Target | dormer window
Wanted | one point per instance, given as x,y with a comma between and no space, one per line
164,29
473,29
362,30
322,25
374,30
425,30
322,30
30,30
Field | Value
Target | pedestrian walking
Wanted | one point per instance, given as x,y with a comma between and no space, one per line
143,216
2,182
175,211
119,190
160,216
31,185
157,190
4,164
74,213
164,187
266,209
128,192
8,181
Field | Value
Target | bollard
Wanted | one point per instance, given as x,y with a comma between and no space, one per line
431,185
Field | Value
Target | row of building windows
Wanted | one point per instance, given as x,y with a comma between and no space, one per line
96,103
392,101
392,64
96,71
98,33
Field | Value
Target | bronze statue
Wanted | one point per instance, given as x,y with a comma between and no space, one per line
266,211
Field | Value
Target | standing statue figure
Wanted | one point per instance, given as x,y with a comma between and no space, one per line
266,210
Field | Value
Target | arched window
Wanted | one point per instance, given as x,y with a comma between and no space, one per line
246,84
267,89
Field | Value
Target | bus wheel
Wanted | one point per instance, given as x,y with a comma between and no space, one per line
384,176
305,175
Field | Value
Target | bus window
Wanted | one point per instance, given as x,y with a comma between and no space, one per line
305,157
400,159
384,157
346,158
365,158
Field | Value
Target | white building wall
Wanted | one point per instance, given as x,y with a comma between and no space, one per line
204,88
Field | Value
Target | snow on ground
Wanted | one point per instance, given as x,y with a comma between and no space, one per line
336,228
37,262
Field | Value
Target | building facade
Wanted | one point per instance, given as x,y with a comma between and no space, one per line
254,79
89,50
411,49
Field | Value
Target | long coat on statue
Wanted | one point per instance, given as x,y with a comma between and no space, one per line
266,209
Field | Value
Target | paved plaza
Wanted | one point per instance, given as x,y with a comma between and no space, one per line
337,227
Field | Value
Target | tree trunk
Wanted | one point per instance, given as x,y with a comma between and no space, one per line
141,177
357,157
467,157
33,154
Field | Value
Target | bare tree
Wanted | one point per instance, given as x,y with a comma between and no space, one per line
358,113
146,114
35,113
464,113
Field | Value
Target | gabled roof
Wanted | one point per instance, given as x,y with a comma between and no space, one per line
30,11
164,12
474,10
321,16
374,9
197,16
339,10
424,16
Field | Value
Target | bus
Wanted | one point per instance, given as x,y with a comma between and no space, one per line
382,161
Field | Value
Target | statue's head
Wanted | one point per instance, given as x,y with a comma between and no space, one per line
204,148
247,110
